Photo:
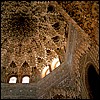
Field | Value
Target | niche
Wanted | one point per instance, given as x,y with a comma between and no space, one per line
48,52
56,26
93,83
56,38
50,8
13,65
25,65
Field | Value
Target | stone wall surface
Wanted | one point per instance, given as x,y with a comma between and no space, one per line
18,91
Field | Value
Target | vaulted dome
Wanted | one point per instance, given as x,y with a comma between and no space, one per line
35,33
50,49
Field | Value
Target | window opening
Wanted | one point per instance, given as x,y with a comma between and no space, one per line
25,79
13,80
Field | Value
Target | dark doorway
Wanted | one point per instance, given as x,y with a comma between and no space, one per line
94,83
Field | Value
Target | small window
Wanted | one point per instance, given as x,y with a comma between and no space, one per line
13,80
25,79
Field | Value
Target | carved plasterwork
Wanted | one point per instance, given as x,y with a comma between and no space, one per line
29,31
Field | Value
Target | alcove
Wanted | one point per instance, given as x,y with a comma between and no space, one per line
93,83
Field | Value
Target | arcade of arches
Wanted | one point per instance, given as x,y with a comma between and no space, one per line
53,46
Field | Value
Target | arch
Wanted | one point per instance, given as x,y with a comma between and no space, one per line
25,79
13,65
25,65
92,81
55,63
45,71
13,79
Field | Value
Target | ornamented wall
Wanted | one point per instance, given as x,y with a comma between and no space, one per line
36,33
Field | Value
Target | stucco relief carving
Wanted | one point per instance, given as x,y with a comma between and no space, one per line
38,32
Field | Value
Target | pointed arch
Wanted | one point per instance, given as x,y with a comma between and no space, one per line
13,65
25,79
45,71
92,81
25,65
55,63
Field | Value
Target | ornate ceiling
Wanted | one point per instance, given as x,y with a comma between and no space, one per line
86,14
33,32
